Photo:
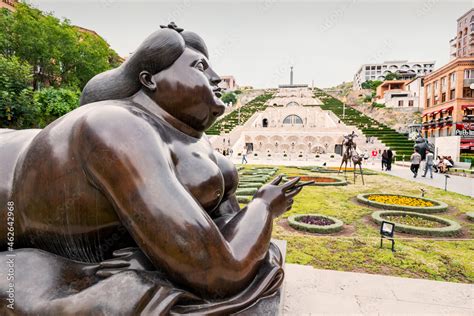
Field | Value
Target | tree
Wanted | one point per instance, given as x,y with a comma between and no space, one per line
371,84
61,55
392,76
53,103
229,97
17,108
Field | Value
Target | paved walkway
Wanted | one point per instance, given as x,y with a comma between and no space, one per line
458,184
310,291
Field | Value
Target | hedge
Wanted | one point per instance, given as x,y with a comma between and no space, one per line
470,216
246,191
244,199
327,229
452,229
436,208
250,185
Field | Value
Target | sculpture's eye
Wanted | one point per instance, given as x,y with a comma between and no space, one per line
200,66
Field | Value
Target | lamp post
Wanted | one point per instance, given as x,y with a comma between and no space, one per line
344,100
446,182
239,114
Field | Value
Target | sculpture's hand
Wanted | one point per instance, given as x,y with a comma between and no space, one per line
279,198
125,259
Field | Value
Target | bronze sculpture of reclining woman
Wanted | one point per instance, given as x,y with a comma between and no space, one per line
128,187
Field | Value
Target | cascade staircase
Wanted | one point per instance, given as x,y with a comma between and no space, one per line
231,120
399,143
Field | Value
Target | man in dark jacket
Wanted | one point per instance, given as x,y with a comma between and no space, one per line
389,159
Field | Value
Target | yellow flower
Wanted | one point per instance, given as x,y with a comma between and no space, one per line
400,200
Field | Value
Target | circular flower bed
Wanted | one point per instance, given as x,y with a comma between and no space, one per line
470,216
402,202
318,181
315,223
418,223
324,181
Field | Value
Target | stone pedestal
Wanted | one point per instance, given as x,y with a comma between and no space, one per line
269,306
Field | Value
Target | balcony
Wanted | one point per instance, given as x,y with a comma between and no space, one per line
468,118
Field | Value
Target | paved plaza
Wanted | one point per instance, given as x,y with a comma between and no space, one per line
310,291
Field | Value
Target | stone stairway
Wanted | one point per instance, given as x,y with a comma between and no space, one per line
399,143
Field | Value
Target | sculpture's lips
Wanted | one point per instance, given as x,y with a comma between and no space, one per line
217,91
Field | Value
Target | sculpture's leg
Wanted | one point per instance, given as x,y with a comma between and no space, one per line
361,173
340,167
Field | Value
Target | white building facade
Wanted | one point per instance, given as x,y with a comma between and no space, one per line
379,71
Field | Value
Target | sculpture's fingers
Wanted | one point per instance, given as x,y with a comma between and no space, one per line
290,184
124,252
113,263
294,192
108,272
277,180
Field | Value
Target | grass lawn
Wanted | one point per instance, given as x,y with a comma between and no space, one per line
356,248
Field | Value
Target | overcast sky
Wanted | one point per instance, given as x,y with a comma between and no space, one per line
257,41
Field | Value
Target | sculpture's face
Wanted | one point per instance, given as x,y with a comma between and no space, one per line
188,91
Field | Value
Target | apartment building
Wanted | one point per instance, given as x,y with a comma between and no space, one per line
462,45
449,104
406,71
8,4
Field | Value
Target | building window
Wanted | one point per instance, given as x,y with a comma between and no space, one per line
443,84
292,119
410,102
469,74
428,103
452,94
467,93
452,79
400,103
443,97
435,87
428,89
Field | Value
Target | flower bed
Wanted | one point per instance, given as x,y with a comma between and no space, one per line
470,216
442,227
315,223
324,181
402,202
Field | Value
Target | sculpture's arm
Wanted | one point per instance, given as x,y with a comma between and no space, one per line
177,235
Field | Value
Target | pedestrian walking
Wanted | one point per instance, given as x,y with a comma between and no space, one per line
244,155
415,163
384,159
429,164
389,159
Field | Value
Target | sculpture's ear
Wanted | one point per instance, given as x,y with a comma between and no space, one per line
147,80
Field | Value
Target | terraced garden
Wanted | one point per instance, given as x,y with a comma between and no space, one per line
370,127
231,120
356,246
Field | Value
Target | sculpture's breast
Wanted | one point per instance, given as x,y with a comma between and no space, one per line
200,175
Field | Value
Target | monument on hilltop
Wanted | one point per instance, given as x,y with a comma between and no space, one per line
292,85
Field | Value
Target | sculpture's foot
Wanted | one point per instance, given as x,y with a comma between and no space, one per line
46,284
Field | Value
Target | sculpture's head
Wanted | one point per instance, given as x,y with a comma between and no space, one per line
173,69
